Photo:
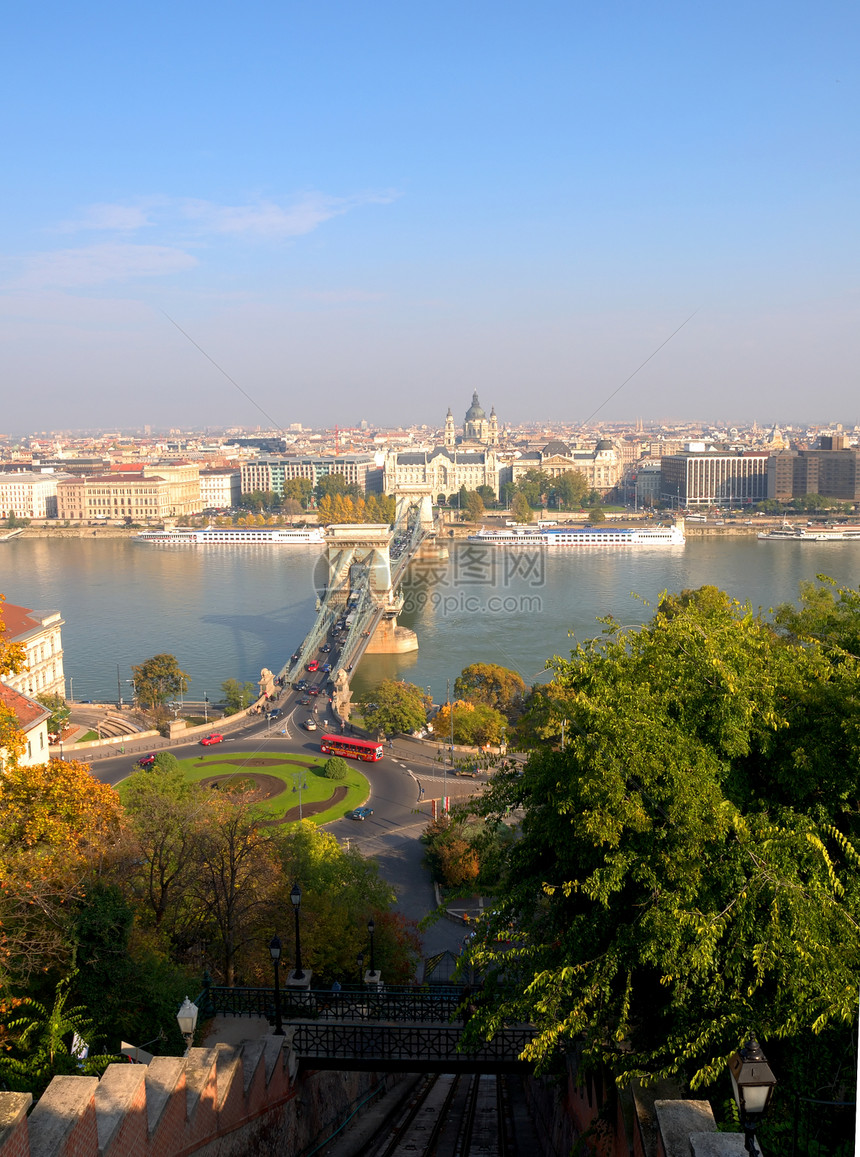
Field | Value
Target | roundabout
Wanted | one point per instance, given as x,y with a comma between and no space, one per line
266,787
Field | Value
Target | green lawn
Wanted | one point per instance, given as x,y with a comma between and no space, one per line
291,770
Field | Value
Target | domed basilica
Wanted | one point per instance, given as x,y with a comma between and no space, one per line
478,429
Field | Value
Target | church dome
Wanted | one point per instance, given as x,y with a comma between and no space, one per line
604,444
474,412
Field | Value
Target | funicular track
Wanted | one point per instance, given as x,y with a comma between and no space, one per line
465,1115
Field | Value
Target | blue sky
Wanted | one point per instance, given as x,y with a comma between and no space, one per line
369,210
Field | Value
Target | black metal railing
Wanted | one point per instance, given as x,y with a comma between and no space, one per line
406,1048
823,1128
387,1003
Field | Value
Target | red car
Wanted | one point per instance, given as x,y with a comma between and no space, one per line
208,740
146,760
314,665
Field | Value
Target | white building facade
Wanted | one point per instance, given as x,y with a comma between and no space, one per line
28,495
39,633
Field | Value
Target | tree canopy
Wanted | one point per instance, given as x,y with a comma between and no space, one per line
490,683
474,723
688,868
392,706
157,679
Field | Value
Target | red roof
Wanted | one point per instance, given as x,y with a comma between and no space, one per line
27,711
18,621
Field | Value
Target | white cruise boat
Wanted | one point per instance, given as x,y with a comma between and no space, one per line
235,536
802,534
614,536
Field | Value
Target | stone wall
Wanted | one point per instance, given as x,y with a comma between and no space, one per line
219,1102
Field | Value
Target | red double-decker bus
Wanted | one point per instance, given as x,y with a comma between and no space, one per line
364,749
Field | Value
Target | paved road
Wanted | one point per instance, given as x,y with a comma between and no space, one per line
401,810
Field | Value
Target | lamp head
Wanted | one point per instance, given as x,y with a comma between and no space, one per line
752,1079
296,896
187,1018
371,926
275,948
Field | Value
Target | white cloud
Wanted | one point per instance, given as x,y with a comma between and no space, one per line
262,218
111,218
269,219
97,264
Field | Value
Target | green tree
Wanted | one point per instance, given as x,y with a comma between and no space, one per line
393,706
299,490
569,489
828,615
166,815
520,508
689,867
596,515
335,768
474,723
332,484
474,506
158,679
237,696
56,704
489,683
40,1051
487,495
534,485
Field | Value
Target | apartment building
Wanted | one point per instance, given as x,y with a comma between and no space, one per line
28,494
220,489
714,478
132,493
32,719
270,473
39,633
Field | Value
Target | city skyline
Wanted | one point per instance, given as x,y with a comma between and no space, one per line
367,214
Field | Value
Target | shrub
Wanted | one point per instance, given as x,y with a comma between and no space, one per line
336,768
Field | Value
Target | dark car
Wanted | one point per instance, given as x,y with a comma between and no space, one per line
146,760
325,648
360,813
276,714
305,701
313,690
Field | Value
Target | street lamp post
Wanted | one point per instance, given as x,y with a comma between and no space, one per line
296,897
752,1085
275,953
359,960
371,928
187,1019
205,707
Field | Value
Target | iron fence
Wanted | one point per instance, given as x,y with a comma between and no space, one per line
406,1048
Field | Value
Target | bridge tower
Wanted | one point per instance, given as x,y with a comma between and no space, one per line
359,560
365,546
416,495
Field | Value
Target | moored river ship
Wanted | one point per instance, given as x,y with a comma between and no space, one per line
234,536
614,536
818,534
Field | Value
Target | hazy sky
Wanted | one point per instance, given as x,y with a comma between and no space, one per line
369,209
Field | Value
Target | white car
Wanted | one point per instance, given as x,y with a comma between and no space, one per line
310,725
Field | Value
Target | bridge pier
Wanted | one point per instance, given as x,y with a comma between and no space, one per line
389,639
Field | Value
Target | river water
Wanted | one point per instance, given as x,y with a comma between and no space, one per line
227,612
